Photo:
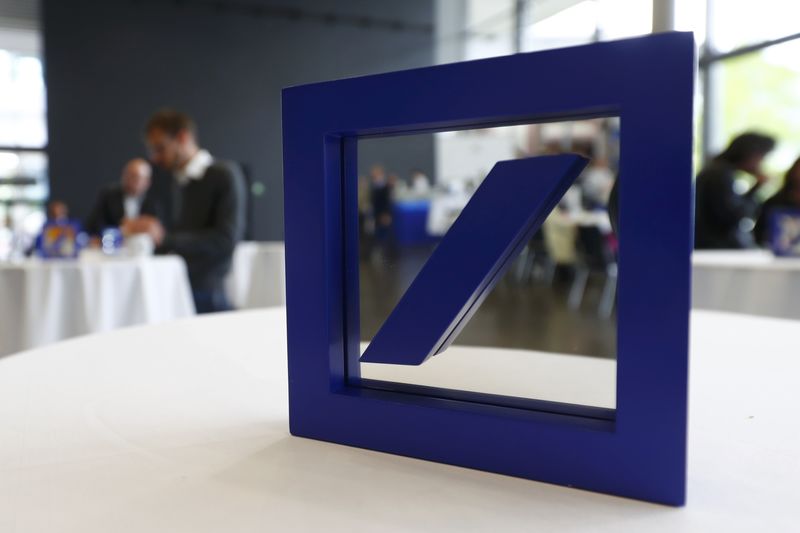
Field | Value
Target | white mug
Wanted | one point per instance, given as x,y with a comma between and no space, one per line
139,245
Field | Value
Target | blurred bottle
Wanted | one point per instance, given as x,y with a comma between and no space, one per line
111,241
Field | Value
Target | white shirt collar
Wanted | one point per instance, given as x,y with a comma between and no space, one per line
195,168
132,205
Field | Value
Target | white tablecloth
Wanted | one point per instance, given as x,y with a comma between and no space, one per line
257,278
746,281
183,427
45,301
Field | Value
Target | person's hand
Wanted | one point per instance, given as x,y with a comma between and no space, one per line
156,231
131,226
144,224
153,227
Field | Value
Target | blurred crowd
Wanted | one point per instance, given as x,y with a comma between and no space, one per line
195,209
729,211
182,200
735,208
379,191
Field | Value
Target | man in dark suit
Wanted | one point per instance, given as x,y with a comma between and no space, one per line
122,200
199,214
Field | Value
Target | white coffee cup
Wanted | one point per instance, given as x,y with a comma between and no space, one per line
139,245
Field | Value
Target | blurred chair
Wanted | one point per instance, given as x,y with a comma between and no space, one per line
594,255
560,234
535,262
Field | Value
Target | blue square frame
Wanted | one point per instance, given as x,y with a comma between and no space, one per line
640,452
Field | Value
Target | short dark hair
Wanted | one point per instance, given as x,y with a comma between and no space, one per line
747,145
170,122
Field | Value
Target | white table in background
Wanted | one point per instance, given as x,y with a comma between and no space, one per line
182,427
257,277
45,301
746,281
444,210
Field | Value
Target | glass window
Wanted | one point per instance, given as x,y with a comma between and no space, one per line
22,101
23,137
572,26
737,23
585,22
618,19
690,15
490,29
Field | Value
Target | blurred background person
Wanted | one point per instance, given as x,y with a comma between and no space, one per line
57,215
597,179
365,226
725,207
201,217
596,183
381,187
123,200
788,197
57,211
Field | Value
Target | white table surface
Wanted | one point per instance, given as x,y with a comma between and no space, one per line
257,276
183,427
46,301
746,281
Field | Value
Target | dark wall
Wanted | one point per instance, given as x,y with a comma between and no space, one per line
110,63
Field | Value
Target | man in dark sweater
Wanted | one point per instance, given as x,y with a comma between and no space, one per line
198,213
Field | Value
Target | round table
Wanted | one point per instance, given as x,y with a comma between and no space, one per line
42,301
183,427
746,281
257,276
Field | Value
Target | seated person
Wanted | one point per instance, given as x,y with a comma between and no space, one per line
57,211
725,212
59,235
119,201
788,197
199,213
596,183
381,191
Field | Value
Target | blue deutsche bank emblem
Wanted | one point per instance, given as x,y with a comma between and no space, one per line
500,218
636,450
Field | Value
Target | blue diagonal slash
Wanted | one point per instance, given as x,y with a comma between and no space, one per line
503,214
